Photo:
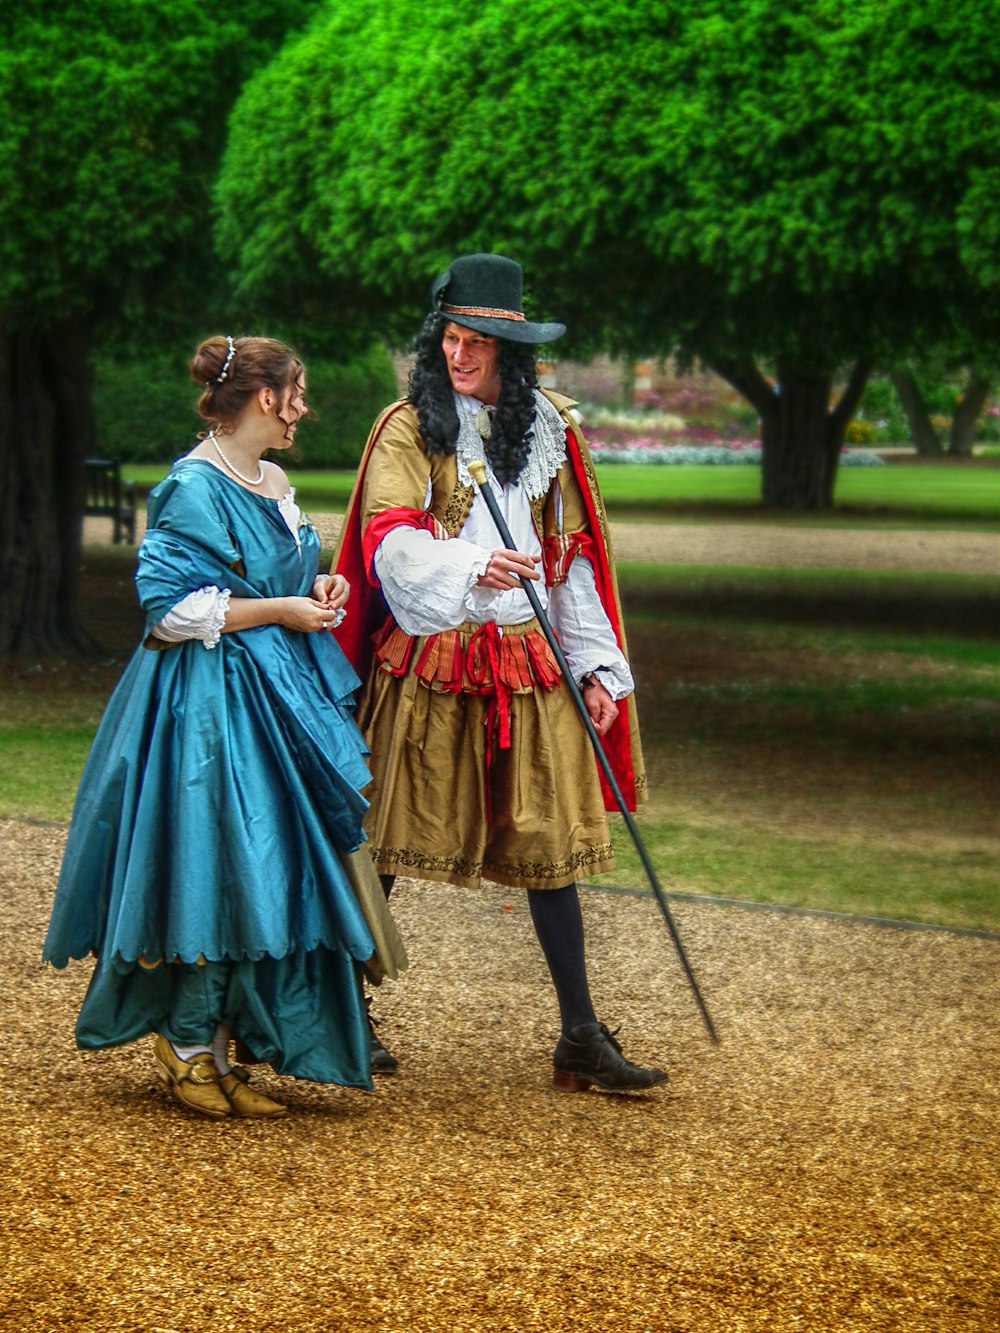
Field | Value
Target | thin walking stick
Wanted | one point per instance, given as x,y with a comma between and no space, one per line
478,473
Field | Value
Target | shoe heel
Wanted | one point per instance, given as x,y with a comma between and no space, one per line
565,1081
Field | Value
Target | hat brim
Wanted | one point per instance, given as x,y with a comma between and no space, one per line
514,330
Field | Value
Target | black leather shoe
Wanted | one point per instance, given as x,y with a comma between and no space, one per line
590,1055
383,1061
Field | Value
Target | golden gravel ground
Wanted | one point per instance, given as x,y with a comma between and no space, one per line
832,1165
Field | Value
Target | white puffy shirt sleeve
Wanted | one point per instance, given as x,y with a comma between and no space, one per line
199,615
585,632
428,583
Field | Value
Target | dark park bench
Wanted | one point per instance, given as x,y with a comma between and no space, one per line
109,497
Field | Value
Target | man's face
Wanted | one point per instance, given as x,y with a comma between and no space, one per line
472,362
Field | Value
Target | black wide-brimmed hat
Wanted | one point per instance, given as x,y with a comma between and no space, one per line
483,292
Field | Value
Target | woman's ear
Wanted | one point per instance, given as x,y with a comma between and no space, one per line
265,400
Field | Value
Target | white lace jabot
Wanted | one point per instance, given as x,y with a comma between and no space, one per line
548,444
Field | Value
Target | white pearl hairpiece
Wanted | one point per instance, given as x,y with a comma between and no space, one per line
228,361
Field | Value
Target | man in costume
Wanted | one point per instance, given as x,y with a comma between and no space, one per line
481,766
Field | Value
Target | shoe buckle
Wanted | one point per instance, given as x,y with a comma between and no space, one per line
203,1072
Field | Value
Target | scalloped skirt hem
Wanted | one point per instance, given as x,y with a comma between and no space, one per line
302,1014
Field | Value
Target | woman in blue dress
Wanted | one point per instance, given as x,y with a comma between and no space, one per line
212,864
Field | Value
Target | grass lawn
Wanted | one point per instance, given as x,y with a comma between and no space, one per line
825,740
827,760
899,493
831,736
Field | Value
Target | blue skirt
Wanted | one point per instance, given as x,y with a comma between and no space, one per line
217,807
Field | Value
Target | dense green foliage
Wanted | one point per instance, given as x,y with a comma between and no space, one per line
145,409
113,119
114,116
783,180
761,184
345,399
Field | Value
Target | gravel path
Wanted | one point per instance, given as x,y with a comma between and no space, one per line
774,545
788,547
954,551
830,1166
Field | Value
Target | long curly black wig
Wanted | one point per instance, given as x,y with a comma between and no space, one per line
431,394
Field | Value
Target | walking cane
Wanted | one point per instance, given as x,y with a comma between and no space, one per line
478,473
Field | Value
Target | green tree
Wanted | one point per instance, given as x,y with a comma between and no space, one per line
784,190
112,120
964,408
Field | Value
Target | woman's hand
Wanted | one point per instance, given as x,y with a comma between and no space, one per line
506,569
307,614
331,591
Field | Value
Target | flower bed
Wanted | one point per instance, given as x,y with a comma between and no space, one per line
669,439
723,453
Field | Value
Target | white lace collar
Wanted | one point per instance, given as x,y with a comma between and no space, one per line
289,510
548,444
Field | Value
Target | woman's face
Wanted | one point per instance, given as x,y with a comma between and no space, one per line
290,410
472,362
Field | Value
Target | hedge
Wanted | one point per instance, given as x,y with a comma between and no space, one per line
145,409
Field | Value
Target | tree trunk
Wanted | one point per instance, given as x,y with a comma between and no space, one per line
798,470
44,439
925,438
801,435
967,412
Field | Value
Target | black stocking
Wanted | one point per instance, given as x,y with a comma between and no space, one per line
558,924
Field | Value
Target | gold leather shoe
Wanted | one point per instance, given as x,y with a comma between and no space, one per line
246,1101
194,1082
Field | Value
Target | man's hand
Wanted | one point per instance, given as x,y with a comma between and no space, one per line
602,708
507,568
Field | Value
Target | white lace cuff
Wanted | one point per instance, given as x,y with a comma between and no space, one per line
199,615
477,599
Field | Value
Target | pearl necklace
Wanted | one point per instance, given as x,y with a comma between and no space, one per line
250,481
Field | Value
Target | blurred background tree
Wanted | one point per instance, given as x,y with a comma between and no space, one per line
966,386
784,190
113,119
144,406
787,192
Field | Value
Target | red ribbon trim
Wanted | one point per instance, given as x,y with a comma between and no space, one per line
616,742
484,672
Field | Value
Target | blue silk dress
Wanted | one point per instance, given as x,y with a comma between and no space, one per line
219,803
